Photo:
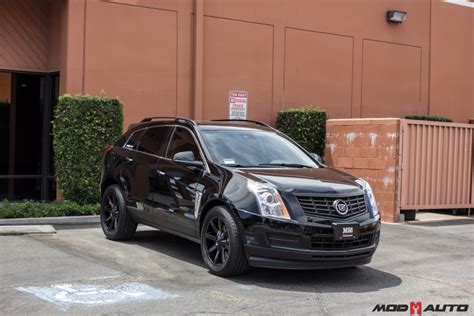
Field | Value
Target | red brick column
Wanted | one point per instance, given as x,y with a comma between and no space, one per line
368,149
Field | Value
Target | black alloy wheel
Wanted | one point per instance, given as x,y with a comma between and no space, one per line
217,241
115,220
221,243
111,211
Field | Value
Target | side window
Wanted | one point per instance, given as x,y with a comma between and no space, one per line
154,140
132,142
182,140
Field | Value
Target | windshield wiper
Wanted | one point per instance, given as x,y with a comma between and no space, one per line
282,164
242,166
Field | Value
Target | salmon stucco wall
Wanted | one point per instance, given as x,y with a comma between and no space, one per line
368,149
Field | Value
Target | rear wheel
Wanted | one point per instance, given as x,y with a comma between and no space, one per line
221,243
116,222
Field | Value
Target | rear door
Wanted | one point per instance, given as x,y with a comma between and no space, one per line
177,182
139,169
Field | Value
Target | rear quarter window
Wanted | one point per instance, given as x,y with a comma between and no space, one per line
134,139
154,140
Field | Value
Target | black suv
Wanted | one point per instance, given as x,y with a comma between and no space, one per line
247,193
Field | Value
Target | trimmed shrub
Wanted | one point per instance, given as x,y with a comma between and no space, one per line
307,126
428,118
83,126
29,208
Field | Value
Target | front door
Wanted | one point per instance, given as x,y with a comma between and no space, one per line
177,183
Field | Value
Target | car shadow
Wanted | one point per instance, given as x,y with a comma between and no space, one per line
356,280
168,244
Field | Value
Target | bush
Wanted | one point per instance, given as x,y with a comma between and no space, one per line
29,208
428,118
307,126
82,127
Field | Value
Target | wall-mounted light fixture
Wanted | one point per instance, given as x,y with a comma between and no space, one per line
395,16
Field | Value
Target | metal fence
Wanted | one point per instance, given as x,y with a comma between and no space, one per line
436,161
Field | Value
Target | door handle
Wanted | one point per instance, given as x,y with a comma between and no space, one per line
129,160
161,172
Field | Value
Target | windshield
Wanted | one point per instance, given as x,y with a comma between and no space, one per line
254,148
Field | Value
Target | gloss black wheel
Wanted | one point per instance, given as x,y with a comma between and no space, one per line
116,222
111,211
217,241
221,243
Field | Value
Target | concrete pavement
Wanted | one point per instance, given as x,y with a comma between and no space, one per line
78,271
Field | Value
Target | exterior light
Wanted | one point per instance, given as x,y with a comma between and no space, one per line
394,16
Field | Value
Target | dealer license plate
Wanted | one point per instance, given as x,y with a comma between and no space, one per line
344,231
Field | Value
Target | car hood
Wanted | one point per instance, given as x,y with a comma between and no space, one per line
306,180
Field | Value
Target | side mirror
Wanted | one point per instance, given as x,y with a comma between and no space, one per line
187,158
318,158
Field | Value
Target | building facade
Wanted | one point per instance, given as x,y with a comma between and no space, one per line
182,57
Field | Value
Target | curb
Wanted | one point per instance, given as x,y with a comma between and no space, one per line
441,221
64,220
26,230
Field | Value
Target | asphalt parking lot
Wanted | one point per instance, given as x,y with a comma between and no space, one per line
78,271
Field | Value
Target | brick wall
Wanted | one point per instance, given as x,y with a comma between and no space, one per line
369,149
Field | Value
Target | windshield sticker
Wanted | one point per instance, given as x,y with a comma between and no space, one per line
229,161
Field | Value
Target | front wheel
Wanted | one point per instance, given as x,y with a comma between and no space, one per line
221,243
116,222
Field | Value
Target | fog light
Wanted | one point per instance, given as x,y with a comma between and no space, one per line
394,16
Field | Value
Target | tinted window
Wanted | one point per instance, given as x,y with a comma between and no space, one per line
183,141
247,147
154,140
132,142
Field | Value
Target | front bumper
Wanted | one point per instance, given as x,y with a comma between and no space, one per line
284,245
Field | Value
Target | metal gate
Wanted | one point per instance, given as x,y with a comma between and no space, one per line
436,161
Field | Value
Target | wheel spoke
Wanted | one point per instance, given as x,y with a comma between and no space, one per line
211,237
111,204
108,218
225,244
212,249
213,226
219,224
222,256
217,255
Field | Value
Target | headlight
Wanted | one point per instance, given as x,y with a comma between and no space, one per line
370,195
269,200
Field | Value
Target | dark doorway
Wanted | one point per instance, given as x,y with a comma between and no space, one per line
26,166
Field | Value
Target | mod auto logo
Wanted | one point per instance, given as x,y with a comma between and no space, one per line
416,308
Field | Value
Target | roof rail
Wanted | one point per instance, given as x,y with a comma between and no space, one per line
176,118
249,121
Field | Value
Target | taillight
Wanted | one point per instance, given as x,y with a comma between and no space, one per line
106,150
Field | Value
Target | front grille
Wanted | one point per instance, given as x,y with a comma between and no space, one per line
323,205
327,242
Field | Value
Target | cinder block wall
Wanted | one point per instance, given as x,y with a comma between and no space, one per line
369,149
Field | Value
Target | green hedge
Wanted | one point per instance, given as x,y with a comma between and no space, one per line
307,126
428,118
29,208
83,126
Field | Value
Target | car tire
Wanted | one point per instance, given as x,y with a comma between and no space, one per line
116,222
221,230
